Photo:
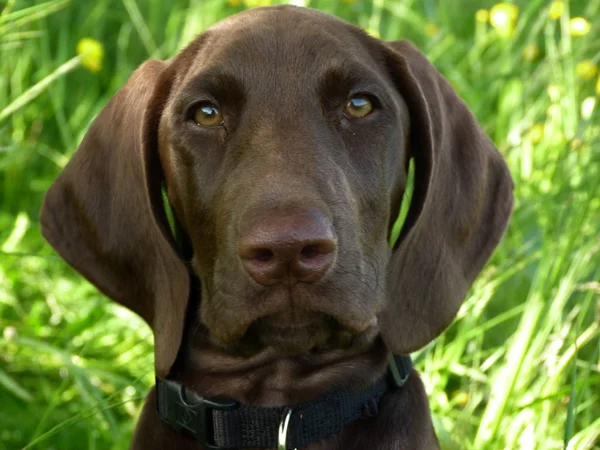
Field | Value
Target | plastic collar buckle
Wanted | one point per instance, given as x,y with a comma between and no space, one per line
186,411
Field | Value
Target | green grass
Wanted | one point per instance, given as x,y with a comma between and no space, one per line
519,368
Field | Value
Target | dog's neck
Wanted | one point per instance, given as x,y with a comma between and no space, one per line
270,379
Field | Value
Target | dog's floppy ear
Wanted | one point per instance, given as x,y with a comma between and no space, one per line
461,204
104,214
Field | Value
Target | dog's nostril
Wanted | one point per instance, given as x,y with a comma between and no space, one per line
310,251
263,255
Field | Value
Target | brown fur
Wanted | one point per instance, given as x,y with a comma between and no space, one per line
281,76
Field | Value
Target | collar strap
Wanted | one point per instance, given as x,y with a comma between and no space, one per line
223,423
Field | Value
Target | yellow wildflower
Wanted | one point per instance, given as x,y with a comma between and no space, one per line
257,3
556,10
431,29
586,69
461,398
536,133
578,26
9,333
503,17
554,112
373,32
531,52
91,53
587,108
554,92
482,15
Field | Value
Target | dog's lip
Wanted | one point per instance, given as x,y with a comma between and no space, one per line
277,323
359,328
311,333
289,326
294,320
217,360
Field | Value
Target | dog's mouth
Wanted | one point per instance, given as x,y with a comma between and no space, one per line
312,333
307,318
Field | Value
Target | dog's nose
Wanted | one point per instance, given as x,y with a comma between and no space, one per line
287,247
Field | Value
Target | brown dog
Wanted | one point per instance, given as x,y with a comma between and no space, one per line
283,136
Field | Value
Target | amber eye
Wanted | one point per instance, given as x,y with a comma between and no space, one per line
358,106
207,114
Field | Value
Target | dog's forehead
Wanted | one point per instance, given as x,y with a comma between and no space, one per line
285,23
285,37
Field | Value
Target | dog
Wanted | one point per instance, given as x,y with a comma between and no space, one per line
240,198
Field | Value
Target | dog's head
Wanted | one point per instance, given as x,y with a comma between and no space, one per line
283,137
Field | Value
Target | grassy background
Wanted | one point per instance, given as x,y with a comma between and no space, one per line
520,366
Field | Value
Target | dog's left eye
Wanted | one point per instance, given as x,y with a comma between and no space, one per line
358,107
207,114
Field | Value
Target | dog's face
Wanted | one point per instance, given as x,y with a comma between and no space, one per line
285,133
283,137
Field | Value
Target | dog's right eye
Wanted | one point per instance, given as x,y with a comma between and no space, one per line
358,106
207,114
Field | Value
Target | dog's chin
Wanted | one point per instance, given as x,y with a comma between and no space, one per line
292,339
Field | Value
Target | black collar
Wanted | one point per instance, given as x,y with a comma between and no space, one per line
222,423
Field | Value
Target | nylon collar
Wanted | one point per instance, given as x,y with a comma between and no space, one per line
223,423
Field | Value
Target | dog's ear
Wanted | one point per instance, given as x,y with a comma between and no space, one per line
104,213
461,204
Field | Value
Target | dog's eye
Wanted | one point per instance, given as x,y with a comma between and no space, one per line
206,114
358,106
